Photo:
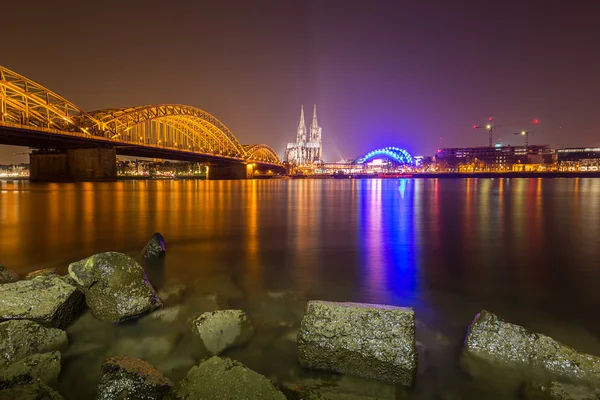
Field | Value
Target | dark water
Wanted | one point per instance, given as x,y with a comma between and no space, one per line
527,249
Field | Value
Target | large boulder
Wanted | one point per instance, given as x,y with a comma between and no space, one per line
48,300
42,272
34,390
45,367
559,391
492,342
222,329
223,378
368,340
155,247
116,287
125,378
21,338
7,275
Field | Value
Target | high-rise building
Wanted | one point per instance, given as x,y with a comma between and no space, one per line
308,147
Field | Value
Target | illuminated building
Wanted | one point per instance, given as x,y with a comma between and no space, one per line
498,158
579,159
308,148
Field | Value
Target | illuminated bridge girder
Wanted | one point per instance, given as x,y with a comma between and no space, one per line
25,104
395,154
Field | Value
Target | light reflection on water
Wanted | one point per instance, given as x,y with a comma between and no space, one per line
528,249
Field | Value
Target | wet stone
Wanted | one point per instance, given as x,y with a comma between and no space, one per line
367,340
559,391
45,367
42,272
223,329
155,247
130,378
45,299
7,275
492,342
21,338
224,378
116,287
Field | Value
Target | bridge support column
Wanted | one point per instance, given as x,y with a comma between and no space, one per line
74,165
221,172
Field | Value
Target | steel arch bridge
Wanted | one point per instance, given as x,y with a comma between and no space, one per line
184,131
395,154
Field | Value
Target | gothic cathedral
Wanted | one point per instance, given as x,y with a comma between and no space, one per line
307,149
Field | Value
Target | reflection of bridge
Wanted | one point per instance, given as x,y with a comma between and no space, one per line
86,143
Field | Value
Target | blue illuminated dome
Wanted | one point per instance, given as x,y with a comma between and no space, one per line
395,154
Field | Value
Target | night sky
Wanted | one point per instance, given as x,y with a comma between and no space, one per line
413,74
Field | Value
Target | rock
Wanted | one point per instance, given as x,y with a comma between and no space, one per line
42,272
21,338
492,342
172,294
44,299
155,247
219,330
44,367
165,315
34,390
7,275
155,349
559,391
224,378
115,285
130,378
368,340
338,387
278,309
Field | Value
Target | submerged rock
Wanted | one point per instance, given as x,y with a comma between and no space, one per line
559,391
172,293
7,275
115,285
42,272
368,340
45,367
155,349
492,342
35,390
21,338
223,378
219,330
131,378
155,247
45,299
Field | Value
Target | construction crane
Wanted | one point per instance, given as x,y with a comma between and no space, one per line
490,127
526,134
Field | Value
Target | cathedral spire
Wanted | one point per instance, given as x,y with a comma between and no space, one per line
314,124
302,125
301,136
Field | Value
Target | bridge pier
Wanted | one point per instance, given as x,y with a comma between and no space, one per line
229,172
93,164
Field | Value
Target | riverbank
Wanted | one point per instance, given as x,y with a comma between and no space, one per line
456,175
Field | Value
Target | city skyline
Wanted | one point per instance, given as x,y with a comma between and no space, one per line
399,75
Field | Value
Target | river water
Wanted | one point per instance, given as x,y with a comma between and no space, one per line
526,249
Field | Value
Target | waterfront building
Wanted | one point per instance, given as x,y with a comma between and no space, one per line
579,159
308,147
498,158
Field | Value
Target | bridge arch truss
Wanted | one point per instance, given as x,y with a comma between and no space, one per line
27,104
395,154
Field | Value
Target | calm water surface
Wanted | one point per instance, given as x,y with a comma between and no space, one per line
527,249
